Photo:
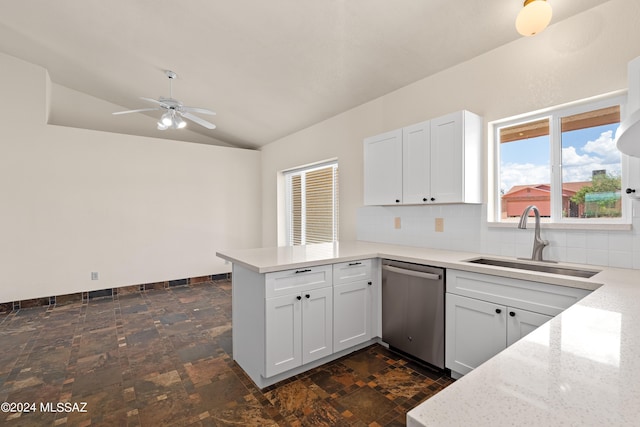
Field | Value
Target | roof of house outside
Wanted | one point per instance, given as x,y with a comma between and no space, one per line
568,188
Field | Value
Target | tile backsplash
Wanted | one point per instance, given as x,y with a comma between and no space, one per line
464,228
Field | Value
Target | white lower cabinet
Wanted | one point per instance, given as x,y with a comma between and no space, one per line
299,329
352,314
485,314
478,330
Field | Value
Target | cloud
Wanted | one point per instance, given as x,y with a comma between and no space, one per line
523,174
578,164
599,154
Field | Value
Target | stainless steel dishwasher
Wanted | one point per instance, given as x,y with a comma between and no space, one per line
413,310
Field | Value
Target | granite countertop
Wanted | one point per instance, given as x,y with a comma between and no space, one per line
580,368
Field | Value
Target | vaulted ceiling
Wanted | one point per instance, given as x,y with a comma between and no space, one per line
268,68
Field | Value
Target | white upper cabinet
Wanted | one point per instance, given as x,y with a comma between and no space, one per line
440,162
416,155
456,158
383,169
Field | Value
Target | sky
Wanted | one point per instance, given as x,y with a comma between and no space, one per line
583,151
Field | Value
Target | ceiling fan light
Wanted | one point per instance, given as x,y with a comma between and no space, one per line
180,124
534,17
166,119
161,126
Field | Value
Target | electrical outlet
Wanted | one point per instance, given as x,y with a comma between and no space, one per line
397,223
94,275
439,225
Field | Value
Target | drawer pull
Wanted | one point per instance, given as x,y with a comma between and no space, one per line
303,271
354,263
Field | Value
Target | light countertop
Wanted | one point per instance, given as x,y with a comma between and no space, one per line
581,368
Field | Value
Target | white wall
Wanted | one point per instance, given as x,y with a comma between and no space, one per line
134,209
580,57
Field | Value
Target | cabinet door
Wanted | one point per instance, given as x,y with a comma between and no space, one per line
475,331
447,174
317,324
416,156
283,340
383,169
352,314
522,322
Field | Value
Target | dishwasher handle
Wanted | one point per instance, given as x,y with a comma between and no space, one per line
429,276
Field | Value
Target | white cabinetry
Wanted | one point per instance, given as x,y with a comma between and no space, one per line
284,321
436,161
352,303
456,158
383,169
298,318
486,314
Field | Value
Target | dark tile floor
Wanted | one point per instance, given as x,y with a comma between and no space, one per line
163,357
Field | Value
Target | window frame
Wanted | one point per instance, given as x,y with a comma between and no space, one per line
555,114
302,171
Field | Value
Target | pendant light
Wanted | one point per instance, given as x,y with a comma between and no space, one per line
534,17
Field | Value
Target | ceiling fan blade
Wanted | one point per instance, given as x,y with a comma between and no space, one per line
198,120
198,110
155,101
135,111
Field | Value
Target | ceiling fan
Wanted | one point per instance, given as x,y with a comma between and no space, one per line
175,110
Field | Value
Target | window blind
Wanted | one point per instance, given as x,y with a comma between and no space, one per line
312,196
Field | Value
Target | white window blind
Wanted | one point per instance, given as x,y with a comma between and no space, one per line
312,204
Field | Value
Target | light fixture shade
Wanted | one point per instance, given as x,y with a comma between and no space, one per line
166,119
628,135
178,123
534,17
161,126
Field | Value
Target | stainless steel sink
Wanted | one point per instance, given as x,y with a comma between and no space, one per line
552,269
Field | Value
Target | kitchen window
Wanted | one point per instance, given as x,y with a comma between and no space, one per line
312,204
564,161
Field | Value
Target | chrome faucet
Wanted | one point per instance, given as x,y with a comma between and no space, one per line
538,243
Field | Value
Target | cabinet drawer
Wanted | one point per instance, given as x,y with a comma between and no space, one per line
347,272
534,296
298,280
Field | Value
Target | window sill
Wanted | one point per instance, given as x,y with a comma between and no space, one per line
565,226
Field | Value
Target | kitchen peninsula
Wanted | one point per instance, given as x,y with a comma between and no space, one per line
580,368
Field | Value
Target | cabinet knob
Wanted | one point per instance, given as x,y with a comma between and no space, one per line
512,314
298,297
630,190
369,283
498,311
307,296
424,199
410,338
433,199
397,200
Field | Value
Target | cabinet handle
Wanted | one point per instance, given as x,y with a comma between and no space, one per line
298,297
369,283
303,271
512,314
630,190
307,296
354,263
498,311
410,338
